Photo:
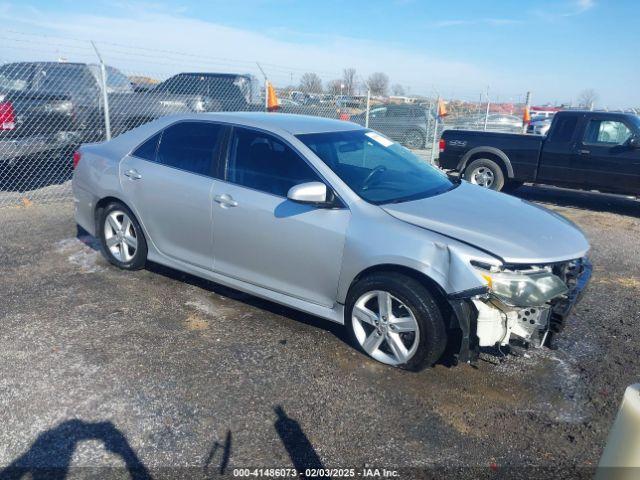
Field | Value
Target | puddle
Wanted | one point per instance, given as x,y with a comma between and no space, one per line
80,254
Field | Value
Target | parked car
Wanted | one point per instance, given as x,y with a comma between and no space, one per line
407,124
48,106
218,91
335,220
539,125
316,110
585,150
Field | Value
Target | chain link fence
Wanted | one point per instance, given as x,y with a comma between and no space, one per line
58,93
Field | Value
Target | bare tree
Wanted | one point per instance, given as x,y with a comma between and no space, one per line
588,98
398,89
349,80
378,83
310,83
333,86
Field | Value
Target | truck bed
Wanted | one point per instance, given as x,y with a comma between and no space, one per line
522,150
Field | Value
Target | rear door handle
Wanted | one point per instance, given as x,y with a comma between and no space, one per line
584,152
133,174
225,200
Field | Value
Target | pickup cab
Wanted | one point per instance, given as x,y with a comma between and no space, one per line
582,150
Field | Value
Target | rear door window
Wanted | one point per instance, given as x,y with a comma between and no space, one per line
148,149
563,130
191,146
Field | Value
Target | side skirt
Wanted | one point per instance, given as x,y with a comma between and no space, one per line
334,314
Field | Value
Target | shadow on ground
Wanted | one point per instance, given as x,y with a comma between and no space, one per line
50,455
594,201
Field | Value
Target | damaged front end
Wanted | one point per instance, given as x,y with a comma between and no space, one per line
529,303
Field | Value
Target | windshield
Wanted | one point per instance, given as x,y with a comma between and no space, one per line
377,169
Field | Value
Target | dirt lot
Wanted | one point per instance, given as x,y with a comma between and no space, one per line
156,369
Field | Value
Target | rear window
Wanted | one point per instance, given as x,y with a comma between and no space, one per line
16,76
563,129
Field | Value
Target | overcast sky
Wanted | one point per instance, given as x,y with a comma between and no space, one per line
555,48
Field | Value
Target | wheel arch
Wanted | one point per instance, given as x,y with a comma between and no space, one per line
104,201
425,280
490,153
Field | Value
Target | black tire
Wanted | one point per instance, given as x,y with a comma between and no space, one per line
139,256
433,335
414,139
498,175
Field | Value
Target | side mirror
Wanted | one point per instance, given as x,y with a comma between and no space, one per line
314,193
634,142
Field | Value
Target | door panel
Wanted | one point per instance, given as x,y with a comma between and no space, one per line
168,181
605,159
174,207
278,244
558,160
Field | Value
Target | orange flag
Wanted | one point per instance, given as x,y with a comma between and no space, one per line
442,109
526,116
272,98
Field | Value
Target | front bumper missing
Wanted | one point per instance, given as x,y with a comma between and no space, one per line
576,274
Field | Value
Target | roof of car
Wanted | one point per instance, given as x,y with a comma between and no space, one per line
291,123
210,74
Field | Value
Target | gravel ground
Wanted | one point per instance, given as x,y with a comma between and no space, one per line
155,369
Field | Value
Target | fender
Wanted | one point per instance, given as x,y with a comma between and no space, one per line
495,151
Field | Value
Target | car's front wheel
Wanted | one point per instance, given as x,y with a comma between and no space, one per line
121,237
394,319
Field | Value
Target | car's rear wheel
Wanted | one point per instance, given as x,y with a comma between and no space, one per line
485,173
394,319
121,237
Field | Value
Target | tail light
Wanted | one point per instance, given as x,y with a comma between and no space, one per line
7,117
442,145
76,158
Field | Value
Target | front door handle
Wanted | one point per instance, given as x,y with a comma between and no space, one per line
225,200
584,152
133,174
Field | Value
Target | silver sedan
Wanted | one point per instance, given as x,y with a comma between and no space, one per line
338,221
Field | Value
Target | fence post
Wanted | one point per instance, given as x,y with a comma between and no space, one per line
486,114
435,133
527,104
426,140
366,118
105,96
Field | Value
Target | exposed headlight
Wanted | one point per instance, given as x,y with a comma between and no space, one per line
524,289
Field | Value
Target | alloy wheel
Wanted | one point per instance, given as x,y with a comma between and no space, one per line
120,236
482,176
385,327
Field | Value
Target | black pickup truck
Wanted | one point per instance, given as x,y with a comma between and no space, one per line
48,107
583,150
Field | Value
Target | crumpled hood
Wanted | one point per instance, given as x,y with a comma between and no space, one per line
512,229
